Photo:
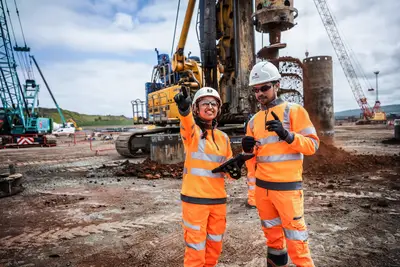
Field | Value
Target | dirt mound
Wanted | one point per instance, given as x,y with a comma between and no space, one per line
328,160
332,160
151,170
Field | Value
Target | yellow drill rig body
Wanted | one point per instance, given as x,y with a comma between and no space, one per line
226,29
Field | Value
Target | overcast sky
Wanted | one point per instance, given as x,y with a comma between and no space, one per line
97,54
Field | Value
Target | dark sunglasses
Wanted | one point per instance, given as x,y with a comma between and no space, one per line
263,88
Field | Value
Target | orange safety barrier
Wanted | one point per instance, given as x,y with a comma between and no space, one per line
103,142
80,137
73,139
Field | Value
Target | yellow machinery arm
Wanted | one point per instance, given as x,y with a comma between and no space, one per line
75,125
178,60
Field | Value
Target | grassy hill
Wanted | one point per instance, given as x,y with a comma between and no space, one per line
356,112
108,120
84,119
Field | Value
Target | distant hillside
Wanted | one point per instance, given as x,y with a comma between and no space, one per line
356,112
85,120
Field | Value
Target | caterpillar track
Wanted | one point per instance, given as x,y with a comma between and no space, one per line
128,144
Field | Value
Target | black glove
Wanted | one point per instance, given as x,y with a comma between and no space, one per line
183,101
277,127
248,143
234,170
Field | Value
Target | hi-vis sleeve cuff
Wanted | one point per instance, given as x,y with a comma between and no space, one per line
184,113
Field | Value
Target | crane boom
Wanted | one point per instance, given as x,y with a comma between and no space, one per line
178,61
11,93
343,56
64,122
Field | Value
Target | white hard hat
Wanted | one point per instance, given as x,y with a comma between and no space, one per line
263,72
206,91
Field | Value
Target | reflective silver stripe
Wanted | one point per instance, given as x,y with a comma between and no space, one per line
200,155
203,156
206,173
251,179
286,117
279,158
226,138
315,143
275,251
269,140
215,238
308,131
296,235
202,144
251,123
271,223
252,187
208,157
191,226
198,246
185,171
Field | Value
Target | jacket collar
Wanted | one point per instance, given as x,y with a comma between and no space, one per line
277,101
203,126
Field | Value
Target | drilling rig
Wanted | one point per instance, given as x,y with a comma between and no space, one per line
226,30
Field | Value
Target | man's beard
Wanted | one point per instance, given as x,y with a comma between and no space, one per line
264,100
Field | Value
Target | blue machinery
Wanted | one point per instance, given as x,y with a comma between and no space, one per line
19,103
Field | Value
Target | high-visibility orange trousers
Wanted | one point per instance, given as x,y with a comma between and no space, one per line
282,219
203,227
251,191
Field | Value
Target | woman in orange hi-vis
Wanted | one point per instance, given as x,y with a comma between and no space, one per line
203,193
279,135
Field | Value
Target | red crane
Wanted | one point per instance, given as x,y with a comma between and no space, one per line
344,58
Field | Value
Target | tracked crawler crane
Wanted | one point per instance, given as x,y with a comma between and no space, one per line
19,121
343,54
20,124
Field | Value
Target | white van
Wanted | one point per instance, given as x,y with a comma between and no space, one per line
67,131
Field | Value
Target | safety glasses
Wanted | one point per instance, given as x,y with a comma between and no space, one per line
206,103
263,88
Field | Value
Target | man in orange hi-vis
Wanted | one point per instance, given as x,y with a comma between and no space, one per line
279,135
203,193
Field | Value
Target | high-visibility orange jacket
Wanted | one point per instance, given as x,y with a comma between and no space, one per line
251,167
251,181
277,161
200,185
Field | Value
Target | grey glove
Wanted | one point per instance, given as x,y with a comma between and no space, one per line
183,100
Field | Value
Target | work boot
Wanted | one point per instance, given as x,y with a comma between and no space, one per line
277,260
249,206
270,263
